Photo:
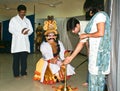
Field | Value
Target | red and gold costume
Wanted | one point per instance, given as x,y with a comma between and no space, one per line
49,68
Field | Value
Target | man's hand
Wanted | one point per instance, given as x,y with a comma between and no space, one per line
25,31
67,60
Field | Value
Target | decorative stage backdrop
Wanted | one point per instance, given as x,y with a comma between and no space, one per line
6,36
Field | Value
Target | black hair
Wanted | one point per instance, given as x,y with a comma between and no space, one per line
21,7
50,17
39,23
71,23
87,15
93,5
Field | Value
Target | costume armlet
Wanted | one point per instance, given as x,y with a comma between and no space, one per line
48,61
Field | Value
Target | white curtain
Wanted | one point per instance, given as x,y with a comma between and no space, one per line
61,24
114,77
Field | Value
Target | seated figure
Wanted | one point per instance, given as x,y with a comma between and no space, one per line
49,69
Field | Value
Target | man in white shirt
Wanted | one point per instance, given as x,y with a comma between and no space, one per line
20,27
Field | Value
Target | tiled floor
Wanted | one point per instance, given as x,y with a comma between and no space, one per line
8,83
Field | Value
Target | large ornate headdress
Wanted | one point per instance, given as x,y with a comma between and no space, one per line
50,25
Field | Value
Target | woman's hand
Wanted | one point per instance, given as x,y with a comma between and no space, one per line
83,36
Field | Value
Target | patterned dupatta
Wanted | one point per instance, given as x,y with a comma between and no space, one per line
103,55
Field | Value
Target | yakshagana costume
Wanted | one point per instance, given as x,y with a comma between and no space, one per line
49,69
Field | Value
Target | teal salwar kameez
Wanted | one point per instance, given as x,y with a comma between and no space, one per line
102,60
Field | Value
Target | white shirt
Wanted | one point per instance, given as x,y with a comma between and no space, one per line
20,42
82,28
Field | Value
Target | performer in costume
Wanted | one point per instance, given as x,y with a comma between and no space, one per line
49,68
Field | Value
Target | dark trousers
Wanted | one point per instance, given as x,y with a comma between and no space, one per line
87,80
20,64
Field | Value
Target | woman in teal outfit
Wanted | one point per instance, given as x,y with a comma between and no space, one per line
97,32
